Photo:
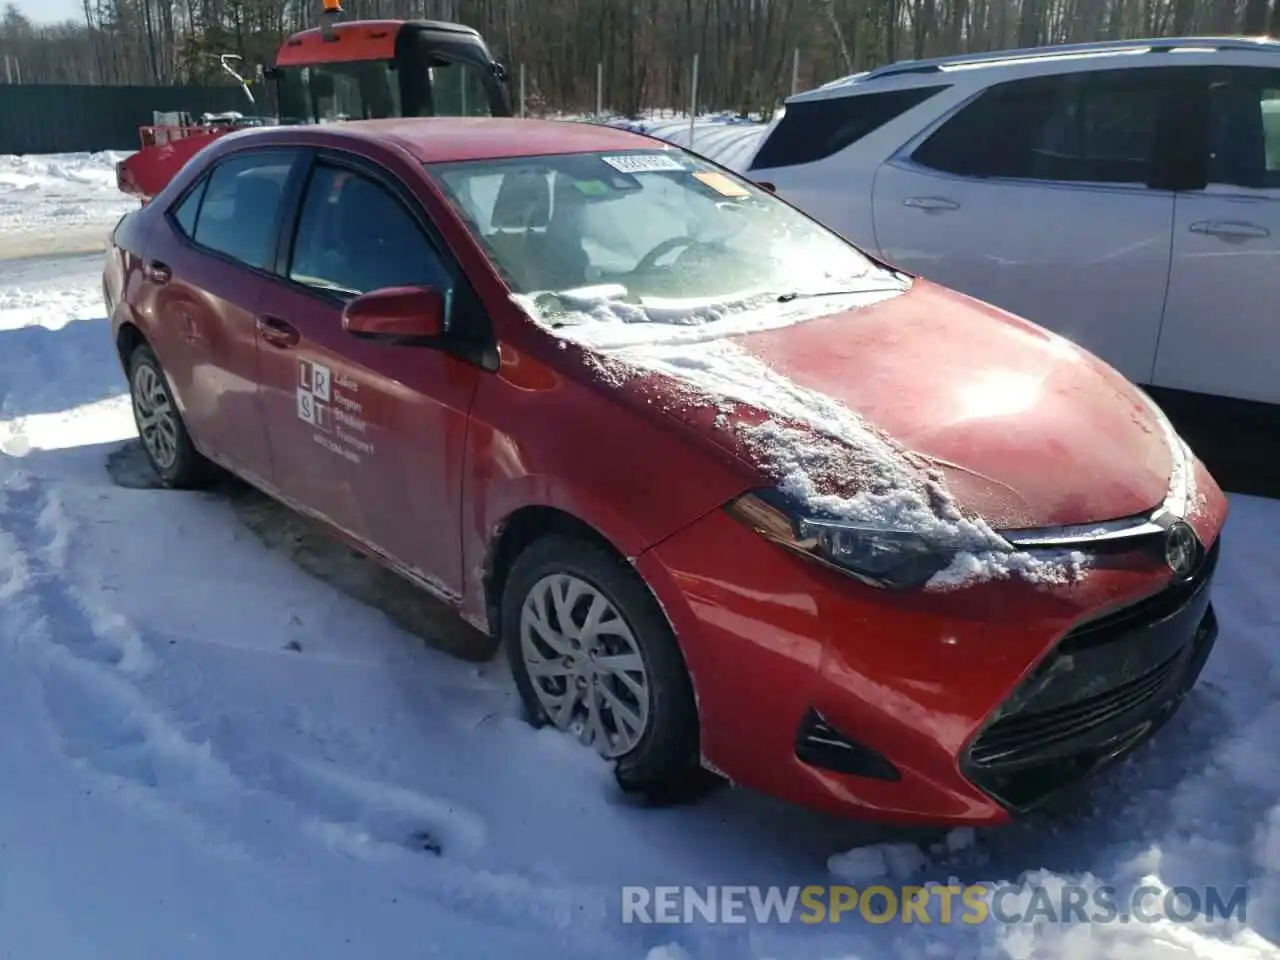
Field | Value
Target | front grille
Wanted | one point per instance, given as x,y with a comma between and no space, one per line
1025,734
1105,685
1158,607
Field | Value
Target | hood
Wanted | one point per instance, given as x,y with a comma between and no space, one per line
1027,429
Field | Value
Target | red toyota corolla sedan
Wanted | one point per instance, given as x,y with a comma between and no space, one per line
735,496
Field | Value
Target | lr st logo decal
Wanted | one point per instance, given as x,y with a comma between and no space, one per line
315,382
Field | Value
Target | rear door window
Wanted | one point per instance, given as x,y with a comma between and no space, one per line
814,129
240,212
1097,127
1244,127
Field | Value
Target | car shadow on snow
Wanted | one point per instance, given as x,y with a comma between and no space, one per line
56,369
1123,809
308,545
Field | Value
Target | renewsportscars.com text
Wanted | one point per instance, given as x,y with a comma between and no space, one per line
933,904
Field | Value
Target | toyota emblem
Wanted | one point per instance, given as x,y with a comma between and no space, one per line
1180,548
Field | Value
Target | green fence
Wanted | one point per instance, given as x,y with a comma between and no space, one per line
55,118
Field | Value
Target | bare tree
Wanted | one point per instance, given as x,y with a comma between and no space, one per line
643,49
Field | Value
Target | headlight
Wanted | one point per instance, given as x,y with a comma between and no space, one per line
879,556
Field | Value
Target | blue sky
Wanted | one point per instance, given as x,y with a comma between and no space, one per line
51,10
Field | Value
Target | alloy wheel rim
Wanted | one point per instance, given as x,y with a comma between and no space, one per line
584,664
156,419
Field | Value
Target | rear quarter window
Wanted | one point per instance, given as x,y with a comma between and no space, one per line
814,129
1271,129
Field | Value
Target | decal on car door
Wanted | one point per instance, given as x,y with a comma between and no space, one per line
332,407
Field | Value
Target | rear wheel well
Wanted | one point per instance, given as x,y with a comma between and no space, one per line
519,530
128,340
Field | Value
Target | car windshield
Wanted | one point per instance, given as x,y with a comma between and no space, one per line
661,229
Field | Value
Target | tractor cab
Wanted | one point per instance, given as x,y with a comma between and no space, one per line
373,69
357,70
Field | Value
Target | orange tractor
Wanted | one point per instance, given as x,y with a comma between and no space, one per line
356,70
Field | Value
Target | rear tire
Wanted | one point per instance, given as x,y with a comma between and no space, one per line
164,435
592,654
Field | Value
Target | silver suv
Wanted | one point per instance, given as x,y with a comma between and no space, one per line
1125,195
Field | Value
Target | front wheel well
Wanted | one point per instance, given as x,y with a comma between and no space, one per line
520,529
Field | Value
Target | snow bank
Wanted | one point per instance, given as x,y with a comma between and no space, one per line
818,450
51,192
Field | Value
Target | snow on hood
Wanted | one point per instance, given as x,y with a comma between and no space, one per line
808,441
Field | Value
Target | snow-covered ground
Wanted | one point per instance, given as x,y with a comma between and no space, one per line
207,751
58,202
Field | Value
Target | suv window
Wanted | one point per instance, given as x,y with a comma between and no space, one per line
1244,127
241,206
1093,127
814,129
355,236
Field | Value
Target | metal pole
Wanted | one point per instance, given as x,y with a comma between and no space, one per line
599,89
8,70
693,100
795,72
522,99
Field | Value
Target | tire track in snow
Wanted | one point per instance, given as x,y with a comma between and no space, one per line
96,716
224,793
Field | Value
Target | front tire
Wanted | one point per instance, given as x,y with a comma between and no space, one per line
164,435
593,655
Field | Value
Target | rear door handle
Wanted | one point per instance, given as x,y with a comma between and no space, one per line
277,332
1230,230
931,204
158,272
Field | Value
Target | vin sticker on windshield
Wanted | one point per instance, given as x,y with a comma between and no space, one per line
643,163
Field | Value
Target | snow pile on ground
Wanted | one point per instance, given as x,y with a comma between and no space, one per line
207,753
64,189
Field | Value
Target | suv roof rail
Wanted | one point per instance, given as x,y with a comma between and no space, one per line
1151,45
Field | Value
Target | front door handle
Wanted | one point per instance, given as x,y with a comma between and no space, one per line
277,332
931,204
1230,230
158,272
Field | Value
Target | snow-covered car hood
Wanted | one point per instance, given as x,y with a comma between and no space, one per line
898,405
1029,429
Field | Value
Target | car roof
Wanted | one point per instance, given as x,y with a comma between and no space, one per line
921,72
446,139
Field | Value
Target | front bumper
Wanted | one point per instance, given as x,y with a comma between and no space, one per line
1104,689
952,708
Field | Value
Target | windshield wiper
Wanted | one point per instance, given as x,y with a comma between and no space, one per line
808,294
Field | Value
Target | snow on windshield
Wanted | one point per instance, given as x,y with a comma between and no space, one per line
658,236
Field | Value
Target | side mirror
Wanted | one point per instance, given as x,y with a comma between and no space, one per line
409,316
